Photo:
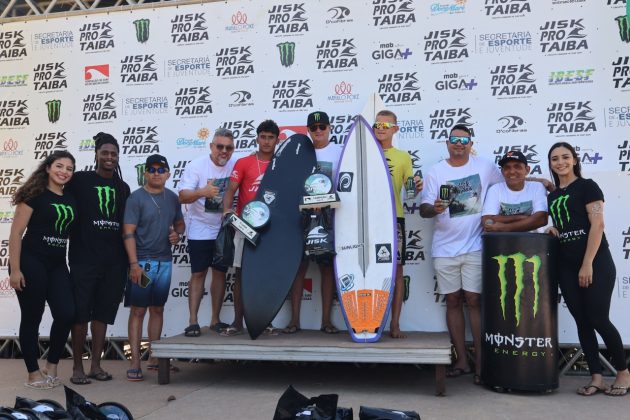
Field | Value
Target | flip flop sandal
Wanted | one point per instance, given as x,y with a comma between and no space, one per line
218,327
100,376
291,329
231,331
135,375
39,384
456,372
623,391
585,391
271,330
329,329
80,380
193,330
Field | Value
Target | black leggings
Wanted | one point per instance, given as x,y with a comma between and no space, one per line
46,281
590,306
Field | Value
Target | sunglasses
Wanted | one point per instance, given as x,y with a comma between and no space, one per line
159,170
222,147
315,127
383,125
464,140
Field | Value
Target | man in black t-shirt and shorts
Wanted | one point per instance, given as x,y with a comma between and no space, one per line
98,262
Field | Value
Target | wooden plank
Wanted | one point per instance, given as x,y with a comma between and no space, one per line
164,370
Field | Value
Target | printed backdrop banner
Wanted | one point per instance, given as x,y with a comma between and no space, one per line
521,74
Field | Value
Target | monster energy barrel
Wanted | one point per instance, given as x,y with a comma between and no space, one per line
519,323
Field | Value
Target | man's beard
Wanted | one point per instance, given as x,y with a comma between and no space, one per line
219,161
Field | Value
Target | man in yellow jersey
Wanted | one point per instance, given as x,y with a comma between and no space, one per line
400,169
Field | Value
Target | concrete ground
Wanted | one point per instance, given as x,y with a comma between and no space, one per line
250,390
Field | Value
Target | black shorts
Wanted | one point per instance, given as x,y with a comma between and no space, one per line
201,252
402,241
98,291
325,260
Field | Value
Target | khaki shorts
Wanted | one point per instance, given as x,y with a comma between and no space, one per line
239,244
456,273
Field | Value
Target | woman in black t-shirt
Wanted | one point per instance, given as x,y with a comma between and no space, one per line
588,271
37,262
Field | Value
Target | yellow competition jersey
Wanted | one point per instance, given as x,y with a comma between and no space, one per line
399,163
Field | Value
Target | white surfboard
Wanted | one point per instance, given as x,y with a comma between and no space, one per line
365,234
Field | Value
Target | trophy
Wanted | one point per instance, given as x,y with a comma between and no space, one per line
318,188
255,215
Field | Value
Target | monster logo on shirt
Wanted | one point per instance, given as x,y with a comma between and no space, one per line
65,216
106,200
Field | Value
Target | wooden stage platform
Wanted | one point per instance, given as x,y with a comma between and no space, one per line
308,346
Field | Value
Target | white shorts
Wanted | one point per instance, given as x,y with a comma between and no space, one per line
456,273
239,244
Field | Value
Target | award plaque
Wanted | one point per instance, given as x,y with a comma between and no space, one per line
318,188
255,215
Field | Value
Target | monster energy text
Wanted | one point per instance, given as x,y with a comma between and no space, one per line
142,30
287,53
65,216
518,259
54,110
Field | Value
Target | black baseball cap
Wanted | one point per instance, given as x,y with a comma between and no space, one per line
157,160
513,155
317,117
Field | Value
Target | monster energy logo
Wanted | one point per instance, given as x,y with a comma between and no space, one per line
106,200
142,30
140,169
317,117
556,209
624,24
54,110
65,216
519,259
287,53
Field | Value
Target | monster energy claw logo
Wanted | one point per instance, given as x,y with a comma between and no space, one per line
54,110
317,116
287,53
140,168
519,259
65,216
106,200
142,30
624,27
556,209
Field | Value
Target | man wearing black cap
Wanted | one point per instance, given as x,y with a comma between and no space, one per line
515,205
153,222
328,155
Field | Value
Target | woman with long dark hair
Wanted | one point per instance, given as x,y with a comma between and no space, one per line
37,262
588,272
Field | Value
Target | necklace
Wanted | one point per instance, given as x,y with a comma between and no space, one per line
155,202
258,162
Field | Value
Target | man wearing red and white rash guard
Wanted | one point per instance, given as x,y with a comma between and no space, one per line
246,178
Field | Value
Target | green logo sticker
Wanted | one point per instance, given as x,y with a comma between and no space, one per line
54,110
140,168
559,211
518,260
142,30
106,200
287,53
65,216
